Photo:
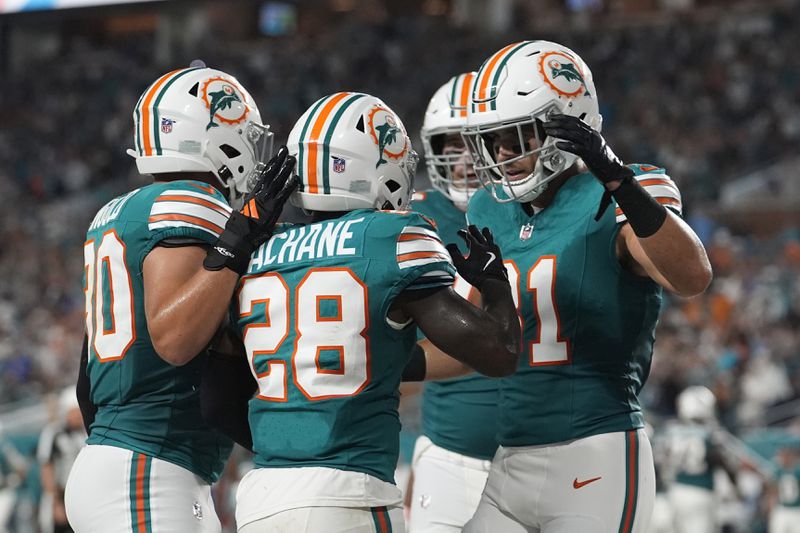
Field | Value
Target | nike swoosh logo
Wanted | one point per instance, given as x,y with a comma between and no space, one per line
578,484
490,260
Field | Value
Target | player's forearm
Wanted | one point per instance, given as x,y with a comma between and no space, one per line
48,479
676,252
492,350
497,300
184,323
439,365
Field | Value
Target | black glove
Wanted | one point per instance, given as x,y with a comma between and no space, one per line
580,139
484,260
253,225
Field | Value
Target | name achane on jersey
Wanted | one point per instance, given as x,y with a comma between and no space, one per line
314,241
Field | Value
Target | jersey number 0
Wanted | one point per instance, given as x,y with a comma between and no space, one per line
109,298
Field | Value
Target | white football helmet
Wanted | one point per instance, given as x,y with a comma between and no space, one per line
696,404
515,91
447,115
352,152
199,119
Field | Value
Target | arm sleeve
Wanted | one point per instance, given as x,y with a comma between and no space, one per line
421,255
659,185
417,365
186,214
83,389
226,388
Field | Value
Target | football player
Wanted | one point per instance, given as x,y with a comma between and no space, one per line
452,457
161,265
693,454
588,279
328,313
784,515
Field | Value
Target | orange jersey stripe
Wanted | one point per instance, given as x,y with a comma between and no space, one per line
416,237
187,218
192,200
484,81
664,200
419,255
657,181
316,130
148,149
206,188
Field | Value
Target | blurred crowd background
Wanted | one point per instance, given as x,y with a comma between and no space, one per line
708,89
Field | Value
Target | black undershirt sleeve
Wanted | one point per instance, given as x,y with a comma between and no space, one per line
417,365
83,390
226,388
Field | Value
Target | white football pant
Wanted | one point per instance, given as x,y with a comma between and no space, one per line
603,484
447,488
114,490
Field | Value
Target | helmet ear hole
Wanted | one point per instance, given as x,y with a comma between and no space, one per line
230,151
393,186
193,90
360,124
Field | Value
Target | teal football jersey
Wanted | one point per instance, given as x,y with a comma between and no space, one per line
689,449
145,404
588,324
789,487
313,315
457,414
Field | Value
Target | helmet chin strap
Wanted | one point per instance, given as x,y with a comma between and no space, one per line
460,197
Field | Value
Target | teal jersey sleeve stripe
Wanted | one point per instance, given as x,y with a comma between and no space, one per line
326,156
156,128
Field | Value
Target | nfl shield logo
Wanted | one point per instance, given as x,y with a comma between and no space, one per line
338,165
525,232
166,125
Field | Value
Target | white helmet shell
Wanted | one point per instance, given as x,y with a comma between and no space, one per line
447,115
352,152
516,89
696,404
200,120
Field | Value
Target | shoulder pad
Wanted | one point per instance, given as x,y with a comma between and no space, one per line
189,204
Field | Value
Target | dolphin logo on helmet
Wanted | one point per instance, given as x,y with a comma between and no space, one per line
222,99
335,142
515,91
387,133
177,128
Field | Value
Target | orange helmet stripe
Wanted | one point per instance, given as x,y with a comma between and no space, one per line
313,139
146,112
466,85
486,72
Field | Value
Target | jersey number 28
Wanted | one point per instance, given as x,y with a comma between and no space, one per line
316,333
